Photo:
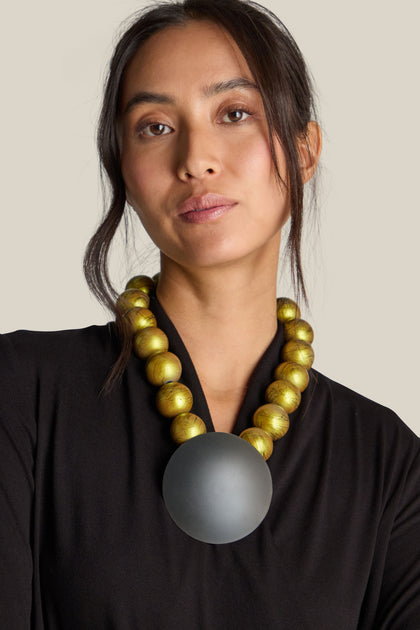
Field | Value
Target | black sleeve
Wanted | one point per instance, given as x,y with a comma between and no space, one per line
17,444
399,604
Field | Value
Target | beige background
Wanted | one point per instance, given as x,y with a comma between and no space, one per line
362,270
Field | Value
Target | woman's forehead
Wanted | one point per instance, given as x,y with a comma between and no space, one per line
199,54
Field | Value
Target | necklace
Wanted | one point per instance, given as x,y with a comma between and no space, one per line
217,487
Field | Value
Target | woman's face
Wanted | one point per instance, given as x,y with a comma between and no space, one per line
195,155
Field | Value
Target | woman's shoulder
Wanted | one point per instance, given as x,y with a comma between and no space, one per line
355,418
38,366
44,346
55,339
30,358
363,443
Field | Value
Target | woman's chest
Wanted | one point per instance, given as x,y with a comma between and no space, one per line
110,555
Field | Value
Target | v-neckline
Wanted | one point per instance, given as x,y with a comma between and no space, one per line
259,381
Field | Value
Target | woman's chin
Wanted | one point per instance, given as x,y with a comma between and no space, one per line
219,256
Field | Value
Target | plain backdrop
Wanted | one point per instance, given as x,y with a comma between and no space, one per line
362,267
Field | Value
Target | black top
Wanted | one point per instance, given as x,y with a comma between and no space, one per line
86,542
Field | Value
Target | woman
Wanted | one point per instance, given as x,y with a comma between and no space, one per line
207,132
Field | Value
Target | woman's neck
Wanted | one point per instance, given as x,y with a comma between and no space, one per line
227,319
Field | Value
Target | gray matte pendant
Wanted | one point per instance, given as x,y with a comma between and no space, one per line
217,488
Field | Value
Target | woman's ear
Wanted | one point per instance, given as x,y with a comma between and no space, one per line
309,147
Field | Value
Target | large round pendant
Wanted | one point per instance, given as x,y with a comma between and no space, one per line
217,488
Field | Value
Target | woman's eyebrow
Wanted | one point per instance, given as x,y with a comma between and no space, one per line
230,84
147,97
208,90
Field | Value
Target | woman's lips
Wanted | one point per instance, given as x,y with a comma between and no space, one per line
204,208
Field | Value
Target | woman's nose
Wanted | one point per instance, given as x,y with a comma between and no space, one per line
197,155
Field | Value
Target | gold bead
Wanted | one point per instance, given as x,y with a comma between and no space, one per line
141,318
298,329
156,278
186,426
298,351
293,372
273,419
132,298
173,399
260,440
164,367
283,393
137,319
287,310
144,283
149,341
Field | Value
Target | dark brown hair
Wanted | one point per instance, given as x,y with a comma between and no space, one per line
280,73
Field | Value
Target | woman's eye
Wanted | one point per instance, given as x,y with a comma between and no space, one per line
155,129
235,115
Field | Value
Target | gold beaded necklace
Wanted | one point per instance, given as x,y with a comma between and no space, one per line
174,400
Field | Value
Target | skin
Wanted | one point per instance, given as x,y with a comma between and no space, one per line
200,134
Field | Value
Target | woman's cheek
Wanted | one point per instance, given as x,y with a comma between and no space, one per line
256,156
137,175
